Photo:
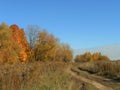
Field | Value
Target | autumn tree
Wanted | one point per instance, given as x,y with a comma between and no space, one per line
46,47
83,58
64,53
96,56
87,56
9,50
91,57
43,45
19,37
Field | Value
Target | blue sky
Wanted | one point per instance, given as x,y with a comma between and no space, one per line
80,23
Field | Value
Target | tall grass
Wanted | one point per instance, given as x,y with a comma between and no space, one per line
110,69
37,76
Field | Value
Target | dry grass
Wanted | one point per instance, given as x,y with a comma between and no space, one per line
110,69
38,76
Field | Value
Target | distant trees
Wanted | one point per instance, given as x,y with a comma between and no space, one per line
90,57
46,47
42,47
83,58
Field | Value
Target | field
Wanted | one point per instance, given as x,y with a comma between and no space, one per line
39,76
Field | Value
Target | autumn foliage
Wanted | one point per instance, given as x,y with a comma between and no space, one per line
47,47
91,57
9,49
42,46
20,38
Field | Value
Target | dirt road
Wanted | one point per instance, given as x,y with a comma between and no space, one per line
92,82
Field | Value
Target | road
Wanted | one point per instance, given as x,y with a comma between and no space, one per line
89,81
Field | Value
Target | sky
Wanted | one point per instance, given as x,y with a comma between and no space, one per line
80,23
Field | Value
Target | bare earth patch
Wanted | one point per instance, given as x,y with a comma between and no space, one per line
92,82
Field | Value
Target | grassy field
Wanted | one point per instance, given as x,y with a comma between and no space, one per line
39,76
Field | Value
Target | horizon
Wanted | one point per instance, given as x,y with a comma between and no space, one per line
81,24
104,50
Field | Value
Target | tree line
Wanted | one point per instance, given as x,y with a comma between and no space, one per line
41,46
89,57
38,46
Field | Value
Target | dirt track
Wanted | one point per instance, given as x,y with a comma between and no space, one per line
92,82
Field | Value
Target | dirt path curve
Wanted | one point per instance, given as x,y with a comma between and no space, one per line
94,83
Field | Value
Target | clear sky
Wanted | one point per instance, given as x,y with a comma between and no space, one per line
80,23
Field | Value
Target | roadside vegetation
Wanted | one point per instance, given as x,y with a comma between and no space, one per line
99,64
39,76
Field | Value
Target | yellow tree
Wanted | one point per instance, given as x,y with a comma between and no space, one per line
87,56
9,49
90,57
64,53
45,47
83,58
96,56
